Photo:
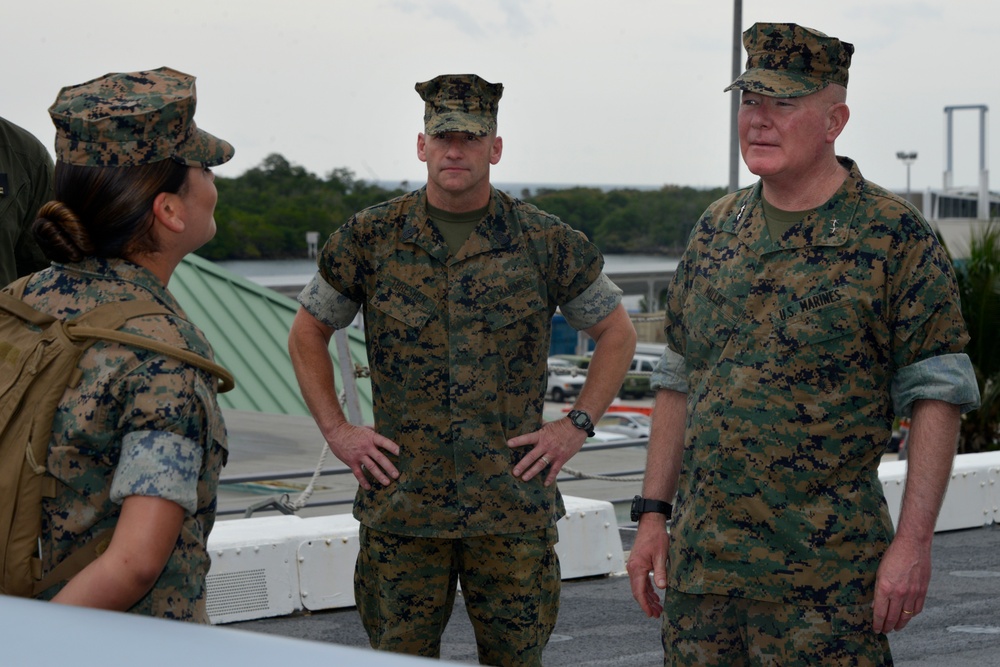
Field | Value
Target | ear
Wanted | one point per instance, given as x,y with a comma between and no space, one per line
837,117
496,150
167,210
421,147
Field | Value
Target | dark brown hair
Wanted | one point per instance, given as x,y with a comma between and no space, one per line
104,211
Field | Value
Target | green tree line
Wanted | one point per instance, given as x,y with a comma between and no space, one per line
266,212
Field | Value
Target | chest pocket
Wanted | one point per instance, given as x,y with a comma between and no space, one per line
396,323
515,308
407,306
820,326
709,324
823,348
516,329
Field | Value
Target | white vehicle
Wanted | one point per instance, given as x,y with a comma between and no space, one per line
633,425
564,380
601,436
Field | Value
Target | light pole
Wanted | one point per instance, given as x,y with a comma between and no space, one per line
734,98
908,159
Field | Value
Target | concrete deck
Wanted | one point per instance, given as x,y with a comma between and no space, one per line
601,625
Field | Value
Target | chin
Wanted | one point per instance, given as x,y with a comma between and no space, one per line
761,168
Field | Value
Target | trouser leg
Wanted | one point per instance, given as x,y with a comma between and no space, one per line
723,631
511,588
404,588
701,631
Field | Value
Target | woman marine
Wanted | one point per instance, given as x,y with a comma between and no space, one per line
138,444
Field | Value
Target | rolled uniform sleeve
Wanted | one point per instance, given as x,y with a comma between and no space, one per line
168,423
159,464
593,305
327,304
670,373
948,377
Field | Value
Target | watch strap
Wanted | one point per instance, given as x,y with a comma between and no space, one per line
642,506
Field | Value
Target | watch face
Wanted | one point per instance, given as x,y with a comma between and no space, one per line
580,418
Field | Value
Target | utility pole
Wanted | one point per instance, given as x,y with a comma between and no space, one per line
734,104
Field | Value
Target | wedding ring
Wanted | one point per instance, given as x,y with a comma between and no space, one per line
908,612
547,462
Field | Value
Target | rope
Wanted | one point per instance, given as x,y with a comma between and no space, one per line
282,503
300,502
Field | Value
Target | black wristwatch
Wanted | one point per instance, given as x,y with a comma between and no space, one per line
642,506
582,421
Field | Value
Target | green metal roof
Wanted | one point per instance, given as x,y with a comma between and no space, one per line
248,326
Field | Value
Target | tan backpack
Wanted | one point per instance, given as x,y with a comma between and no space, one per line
38,362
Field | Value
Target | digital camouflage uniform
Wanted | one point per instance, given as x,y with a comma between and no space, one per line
795,354
136,424
457,347
796,351
25,184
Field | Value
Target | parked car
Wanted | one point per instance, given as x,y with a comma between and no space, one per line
603,437
577,360
632,424
636,384
564,380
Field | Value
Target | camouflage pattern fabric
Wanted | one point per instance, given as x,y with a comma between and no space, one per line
405,591
457,346
791,347
713,630
151,415
133,118
789,60
460,103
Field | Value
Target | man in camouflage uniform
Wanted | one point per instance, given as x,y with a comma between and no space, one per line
25,184
139,441
806,312
458,283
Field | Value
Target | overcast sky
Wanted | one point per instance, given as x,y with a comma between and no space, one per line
596,93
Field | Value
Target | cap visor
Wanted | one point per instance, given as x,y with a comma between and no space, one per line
775,84
204,150
457,122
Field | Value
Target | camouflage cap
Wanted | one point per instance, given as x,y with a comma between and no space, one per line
460,103
134,118
789,60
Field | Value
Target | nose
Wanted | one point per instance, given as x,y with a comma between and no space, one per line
760,116
454,148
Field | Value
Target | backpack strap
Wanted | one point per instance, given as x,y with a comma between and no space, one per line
72,564
12,304
102,323
113,315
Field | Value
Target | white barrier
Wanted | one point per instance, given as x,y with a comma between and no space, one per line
973,496
274,566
